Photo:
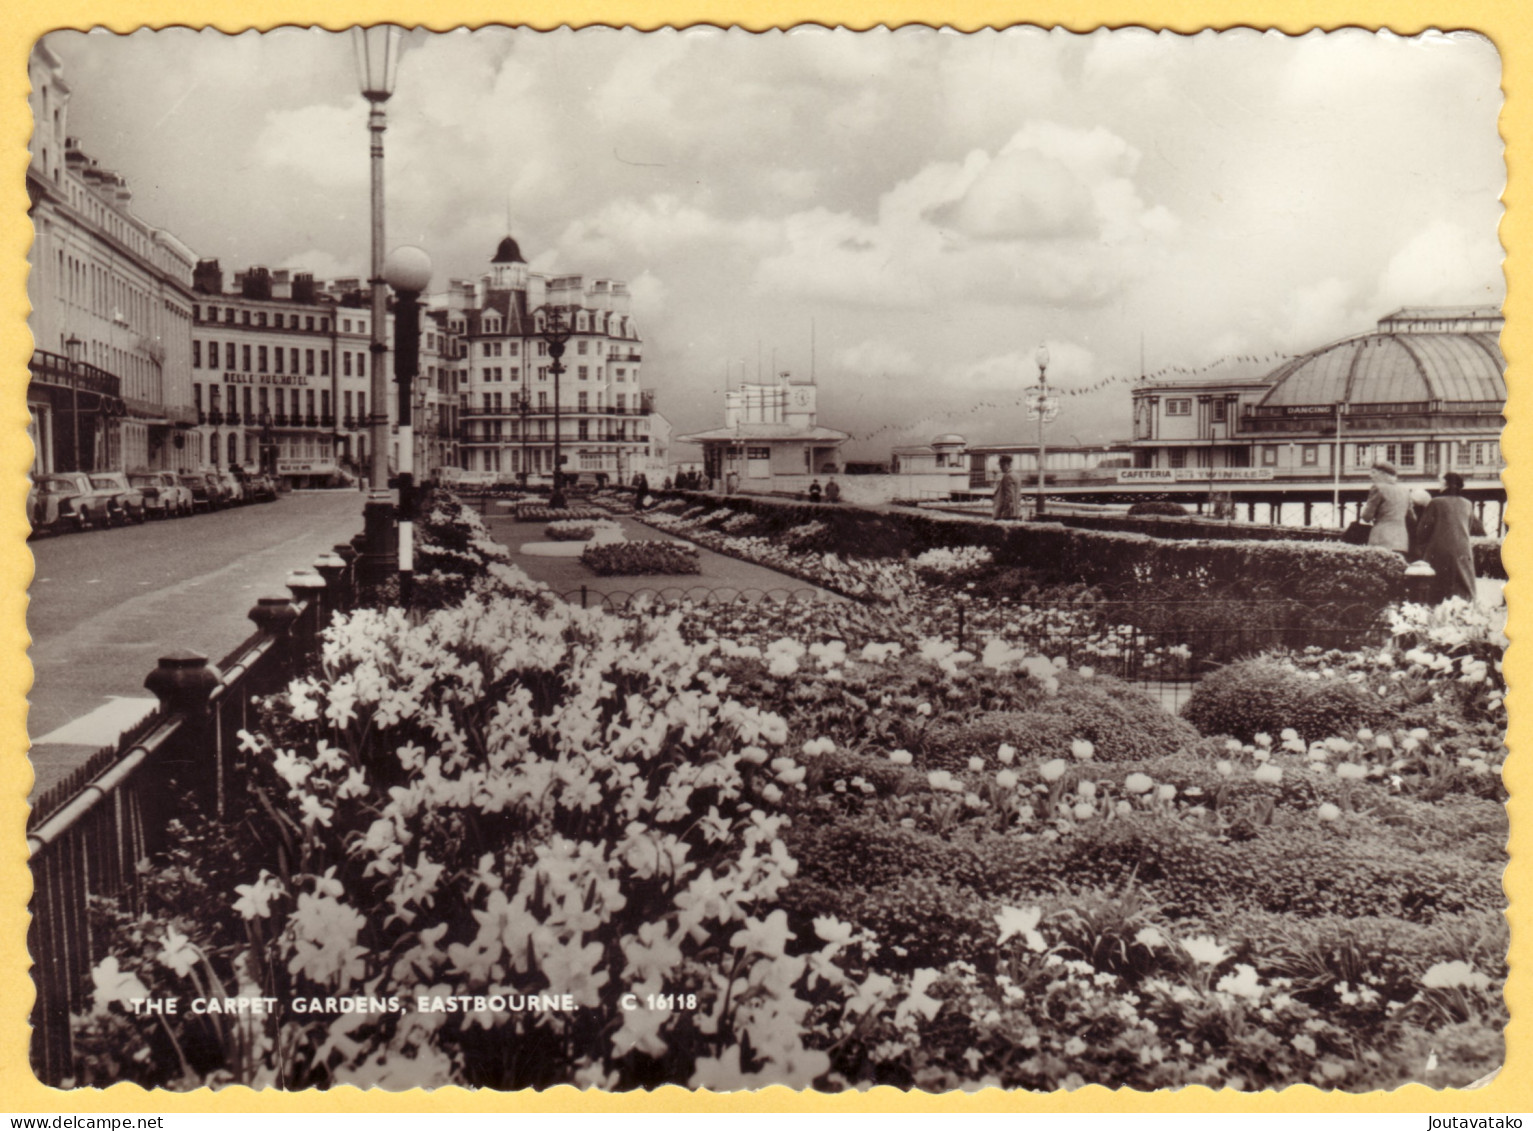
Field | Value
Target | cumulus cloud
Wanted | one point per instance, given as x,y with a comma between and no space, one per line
1442,264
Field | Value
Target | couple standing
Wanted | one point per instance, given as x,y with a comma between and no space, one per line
1442,532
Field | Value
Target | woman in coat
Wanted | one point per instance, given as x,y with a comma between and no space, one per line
1388,506
1443,534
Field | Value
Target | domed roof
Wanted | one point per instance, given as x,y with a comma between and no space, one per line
1394,368
949,438
508,252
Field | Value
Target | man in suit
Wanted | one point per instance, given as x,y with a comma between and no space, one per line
1008,492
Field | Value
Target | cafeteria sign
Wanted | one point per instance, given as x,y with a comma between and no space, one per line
1194,474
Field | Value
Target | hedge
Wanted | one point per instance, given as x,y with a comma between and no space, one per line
1487,551
1130,564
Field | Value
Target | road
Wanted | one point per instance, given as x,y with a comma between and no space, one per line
106,604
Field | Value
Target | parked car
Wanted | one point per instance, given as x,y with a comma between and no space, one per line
164,495
202,495
125,502
234,490
67,500
261,487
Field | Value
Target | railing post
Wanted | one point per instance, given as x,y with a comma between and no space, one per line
348,554
332,568
307,586
182,683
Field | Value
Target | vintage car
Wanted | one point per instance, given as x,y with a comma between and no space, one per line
66,500
164,495
204,497
125,501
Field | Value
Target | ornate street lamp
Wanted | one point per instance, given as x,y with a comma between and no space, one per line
524,405
556,331
408,271
377,50
75,348
1043,410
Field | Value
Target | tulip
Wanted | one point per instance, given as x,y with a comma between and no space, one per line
1006,754
1082,750
1166,792
1084,811
1087,789
1328,812
1269,773
901,757
1138,783
1053,769
977,765
1006,779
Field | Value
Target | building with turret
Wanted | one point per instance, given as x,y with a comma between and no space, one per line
512,401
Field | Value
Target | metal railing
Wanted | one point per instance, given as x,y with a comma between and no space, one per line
87,836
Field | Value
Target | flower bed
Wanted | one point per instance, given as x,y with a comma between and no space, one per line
636,558
817,855
538,512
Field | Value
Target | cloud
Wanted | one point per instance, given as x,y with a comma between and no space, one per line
878,358
1444,264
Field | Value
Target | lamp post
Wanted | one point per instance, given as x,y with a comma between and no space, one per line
556,332
75,348
1041,407
524,406
377,50
408,271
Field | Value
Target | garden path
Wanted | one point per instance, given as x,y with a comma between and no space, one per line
566,576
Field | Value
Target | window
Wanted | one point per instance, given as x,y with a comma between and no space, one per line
264,400
584,370
245,351
245,396
486,402
229,315
277,358
324,402
308,322
277,320
583,430
1407,453
324,364
1310,454
486,349
196,355
246,319
261,358
542,402
516,373
361,406
581,401
758,453
324,324
229,361
511,349
345,325
542,373
309,397
197,398
1219,410
212,313
1176,457
293,355
308,362
622,402
1178,406
345,363
346,403
542,349
581,349
1269,455
261,319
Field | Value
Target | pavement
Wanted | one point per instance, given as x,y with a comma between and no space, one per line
105,605
727,577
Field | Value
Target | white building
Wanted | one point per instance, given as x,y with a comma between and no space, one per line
111,299
512,401
771,439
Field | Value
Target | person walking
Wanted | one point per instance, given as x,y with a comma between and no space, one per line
1444,533
1388,507
1008,492
640,491
832,491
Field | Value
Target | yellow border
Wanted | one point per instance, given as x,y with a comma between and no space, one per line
1509,23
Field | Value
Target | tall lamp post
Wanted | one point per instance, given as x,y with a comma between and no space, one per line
524,406
377,49
408,271
75,348
1041,408
556,332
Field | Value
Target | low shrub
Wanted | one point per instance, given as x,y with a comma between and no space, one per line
1256,696
634,558
570,531
1156,507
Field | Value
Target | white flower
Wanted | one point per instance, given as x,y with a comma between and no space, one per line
1269,773
1266,739
1006,779
1087,789
1022,922
1053,769
1205,950
1166,792
1006,753
1451,975
1139,783
1084,811
1328,812
1082,750
901,757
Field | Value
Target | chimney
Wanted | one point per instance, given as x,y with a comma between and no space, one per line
281,284
303,287
256,283
208,277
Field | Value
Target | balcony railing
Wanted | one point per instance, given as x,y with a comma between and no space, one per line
55,369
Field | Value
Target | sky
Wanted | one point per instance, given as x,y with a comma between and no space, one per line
906,215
